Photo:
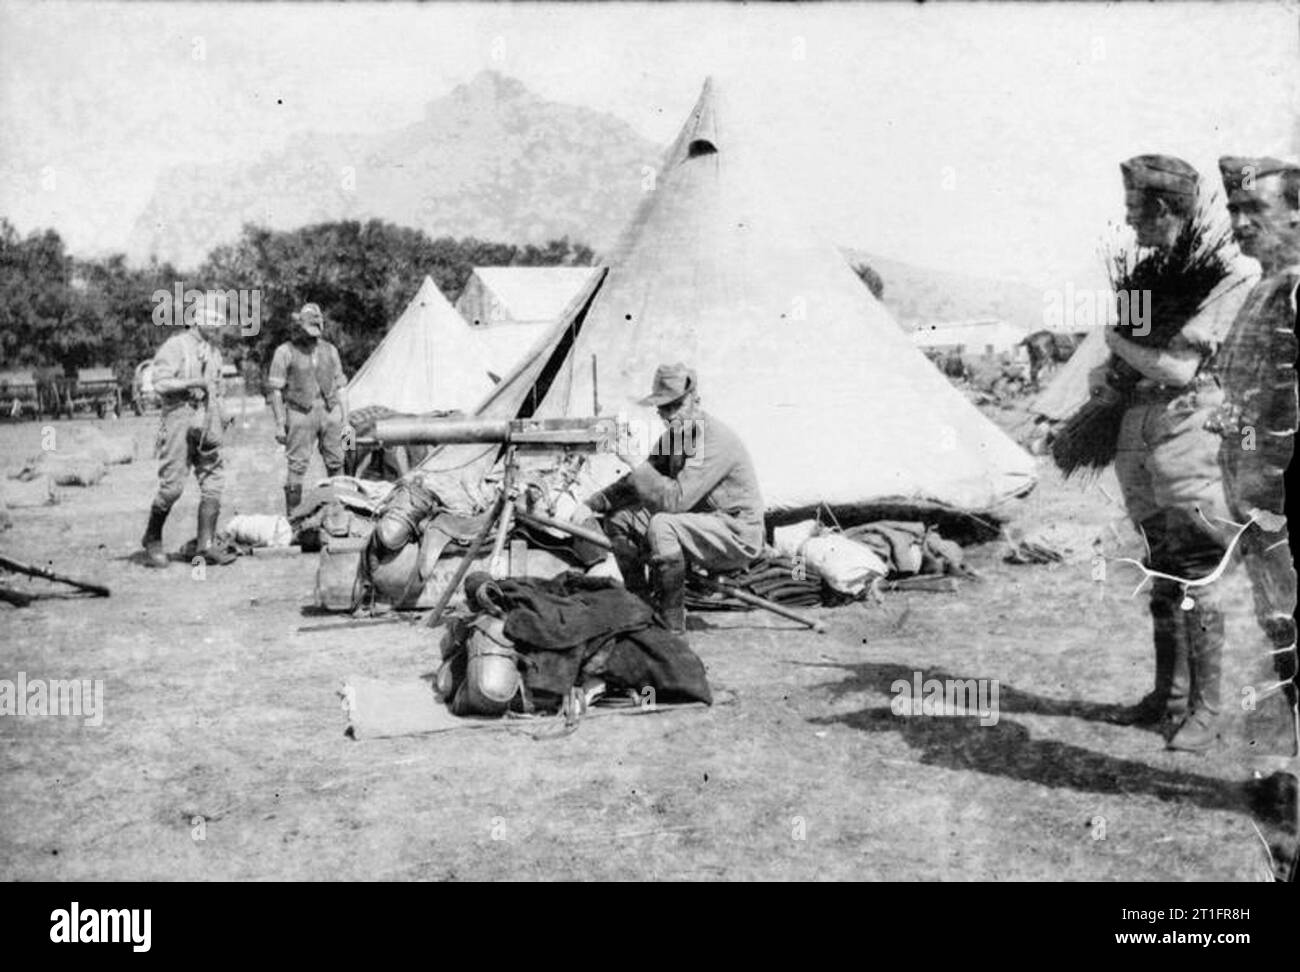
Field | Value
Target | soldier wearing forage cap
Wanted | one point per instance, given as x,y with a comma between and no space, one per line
695,501
1166,461
187,376
308,400
1258,424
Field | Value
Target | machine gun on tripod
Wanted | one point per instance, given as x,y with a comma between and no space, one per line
527,445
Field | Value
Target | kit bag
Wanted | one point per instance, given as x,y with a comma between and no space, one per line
339,584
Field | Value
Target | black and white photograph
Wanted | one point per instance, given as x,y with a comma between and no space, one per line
649,442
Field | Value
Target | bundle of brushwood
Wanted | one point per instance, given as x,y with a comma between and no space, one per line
1179,279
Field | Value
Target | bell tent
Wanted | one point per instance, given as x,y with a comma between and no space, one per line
429,360
835,404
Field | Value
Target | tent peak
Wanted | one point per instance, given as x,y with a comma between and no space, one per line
701,130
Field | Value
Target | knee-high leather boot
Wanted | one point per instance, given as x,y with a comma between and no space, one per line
209,510
1203,627
152,540
1168,699
670,585
292,497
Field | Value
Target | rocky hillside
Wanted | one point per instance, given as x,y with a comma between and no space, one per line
490,160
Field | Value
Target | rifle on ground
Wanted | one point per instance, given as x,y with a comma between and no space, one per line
33,571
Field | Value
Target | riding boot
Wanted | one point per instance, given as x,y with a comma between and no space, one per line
670,586
1203,628
152,540
1168,699
292,497
209,510
631,564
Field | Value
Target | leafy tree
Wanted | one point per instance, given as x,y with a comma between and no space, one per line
56,310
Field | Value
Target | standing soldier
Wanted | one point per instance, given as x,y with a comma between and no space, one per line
307,376
187,376
1167,465
1258,424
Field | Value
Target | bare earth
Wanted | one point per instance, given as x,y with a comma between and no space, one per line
216,707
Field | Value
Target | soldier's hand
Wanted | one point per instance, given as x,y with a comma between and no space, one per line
1097,379
582,513
281,436
349,438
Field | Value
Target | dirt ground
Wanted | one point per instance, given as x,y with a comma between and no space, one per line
216,707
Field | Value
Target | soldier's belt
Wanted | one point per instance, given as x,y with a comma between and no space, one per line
1203,389
306,409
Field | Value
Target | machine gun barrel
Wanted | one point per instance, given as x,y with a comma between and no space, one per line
416,430
596,434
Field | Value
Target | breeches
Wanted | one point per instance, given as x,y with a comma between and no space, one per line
180,448
307,430
707,540
1166,459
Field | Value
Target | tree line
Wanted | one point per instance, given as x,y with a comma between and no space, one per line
59,312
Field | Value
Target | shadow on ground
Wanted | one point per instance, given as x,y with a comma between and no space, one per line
1007,748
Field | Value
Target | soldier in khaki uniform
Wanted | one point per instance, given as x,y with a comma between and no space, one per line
1258,423
1168,469
695,501
309,401
187,376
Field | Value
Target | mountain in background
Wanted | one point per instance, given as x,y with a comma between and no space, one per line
916,294
493,161
489,160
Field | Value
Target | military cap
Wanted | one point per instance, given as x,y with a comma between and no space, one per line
207,314
1240,172
1159,173
671,383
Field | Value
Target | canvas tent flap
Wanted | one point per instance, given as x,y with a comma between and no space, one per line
505,296
832,399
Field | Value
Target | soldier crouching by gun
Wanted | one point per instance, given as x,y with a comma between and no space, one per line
187,376
695,502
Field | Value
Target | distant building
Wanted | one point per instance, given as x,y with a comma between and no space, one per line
984,336
520,295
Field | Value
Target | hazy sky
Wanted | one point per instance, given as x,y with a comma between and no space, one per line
981,138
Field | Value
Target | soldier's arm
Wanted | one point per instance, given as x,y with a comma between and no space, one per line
706,466
276,379
615,496
341,383
1175,365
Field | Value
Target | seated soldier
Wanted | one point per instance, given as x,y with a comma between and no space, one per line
695,501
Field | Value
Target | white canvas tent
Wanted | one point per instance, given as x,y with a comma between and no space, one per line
429,361
509,308
520,295
834,402
1068,390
